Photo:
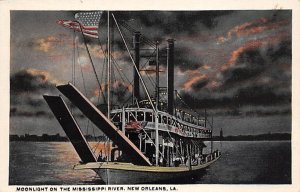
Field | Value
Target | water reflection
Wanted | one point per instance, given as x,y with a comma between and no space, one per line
42,163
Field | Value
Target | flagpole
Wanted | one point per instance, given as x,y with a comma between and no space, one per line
109,67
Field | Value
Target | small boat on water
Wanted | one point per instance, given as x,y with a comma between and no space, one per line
152,140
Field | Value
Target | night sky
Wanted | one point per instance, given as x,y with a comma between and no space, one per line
236,64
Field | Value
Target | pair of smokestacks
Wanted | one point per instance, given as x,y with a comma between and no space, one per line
170,66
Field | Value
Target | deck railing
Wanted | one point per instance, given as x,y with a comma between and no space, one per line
166,122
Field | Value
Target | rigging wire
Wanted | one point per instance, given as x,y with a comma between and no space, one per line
73,67
180,98
187,105
115,64
113,79
83,82
104,76
97,78
149,42
125,87
152,44
150,79
82,76
94,69
114,61
131,29
73,59
126,26
120,72
143,83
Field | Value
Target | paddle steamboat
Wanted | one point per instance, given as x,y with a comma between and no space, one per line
152,139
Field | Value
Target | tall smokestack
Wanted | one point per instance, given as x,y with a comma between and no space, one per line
170,64
136,41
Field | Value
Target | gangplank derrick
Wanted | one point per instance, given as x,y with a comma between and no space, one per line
103,123
71,128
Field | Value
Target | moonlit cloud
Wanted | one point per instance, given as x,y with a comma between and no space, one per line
234,63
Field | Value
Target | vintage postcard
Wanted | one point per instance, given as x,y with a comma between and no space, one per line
162,96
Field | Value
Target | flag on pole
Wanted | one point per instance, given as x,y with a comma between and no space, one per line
86,21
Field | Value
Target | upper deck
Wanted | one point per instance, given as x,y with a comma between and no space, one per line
185,126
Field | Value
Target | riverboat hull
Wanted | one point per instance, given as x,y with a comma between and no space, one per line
128,173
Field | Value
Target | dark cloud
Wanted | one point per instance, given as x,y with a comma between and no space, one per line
262,95
253,95
26,90
174,21
284,50
252,113
249,64
35,102
29,81
184,61
121,92
258,78
200,84
183,58
202,103
267,113
14,111
259,62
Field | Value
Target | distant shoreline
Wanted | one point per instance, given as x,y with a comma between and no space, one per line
58,138
260,137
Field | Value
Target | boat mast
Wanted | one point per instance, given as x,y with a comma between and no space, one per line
157,77
205,117
136,88
109,66
156,137
156,107
212,126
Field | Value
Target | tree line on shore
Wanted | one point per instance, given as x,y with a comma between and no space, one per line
57,137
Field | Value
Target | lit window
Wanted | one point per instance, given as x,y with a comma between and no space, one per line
149,116
140,116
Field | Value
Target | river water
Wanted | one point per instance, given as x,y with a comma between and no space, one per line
242,162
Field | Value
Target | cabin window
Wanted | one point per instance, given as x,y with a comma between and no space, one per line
149,117
126,117
131,116
164,119
169,121
159,118
176,123
116,117
173,122
187,119
140,116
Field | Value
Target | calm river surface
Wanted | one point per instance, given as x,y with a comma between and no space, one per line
242,162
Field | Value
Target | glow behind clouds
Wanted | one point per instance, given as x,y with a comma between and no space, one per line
237,64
